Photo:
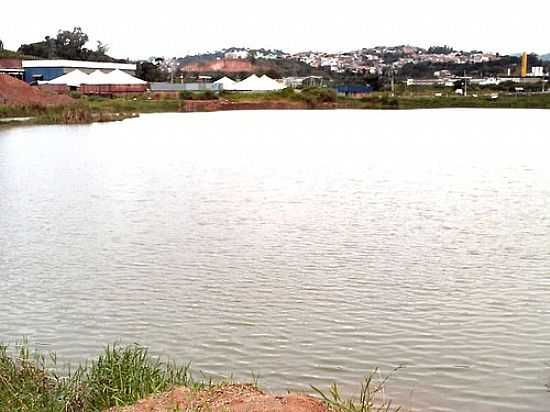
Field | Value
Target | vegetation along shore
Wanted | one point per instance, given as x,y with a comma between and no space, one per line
129,379
81,109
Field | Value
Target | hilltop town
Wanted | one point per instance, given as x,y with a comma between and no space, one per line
63,68
403,60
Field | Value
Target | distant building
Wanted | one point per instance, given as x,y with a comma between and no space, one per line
12,67
239,54
160,90
426,82
309,81
45,70
180,87
354,91
442,73
537,71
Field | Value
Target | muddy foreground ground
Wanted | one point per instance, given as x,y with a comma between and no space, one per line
227,398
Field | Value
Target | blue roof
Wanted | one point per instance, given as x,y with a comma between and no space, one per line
354,89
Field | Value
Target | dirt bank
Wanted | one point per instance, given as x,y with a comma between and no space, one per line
223,65
14,92
221,105
227,398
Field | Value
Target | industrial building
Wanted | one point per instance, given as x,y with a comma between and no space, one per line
355,91
12,67
46,70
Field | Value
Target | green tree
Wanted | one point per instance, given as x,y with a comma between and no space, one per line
67,44
39,49
150,72
102,48
70,44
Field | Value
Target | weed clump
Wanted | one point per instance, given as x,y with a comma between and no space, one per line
121,375
371,397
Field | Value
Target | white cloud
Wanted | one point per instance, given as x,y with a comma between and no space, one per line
135,29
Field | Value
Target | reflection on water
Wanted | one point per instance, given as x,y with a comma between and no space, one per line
307,247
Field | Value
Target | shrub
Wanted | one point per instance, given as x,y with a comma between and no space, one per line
287,92
315,95
206,95
185,95
124,375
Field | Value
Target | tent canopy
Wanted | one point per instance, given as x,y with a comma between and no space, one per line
77,78
259,84
72,79
119,77
96,77
226,83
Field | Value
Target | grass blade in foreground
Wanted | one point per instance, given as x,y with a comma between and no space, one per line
368,401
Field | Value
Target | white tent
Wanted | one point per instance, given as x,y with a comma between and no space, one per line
119,77
268,81
249,84
259,84
97,77
72,79
226,83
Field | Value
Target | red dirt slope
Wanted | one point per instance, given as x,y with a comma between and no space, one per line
228,398
15,92
226,66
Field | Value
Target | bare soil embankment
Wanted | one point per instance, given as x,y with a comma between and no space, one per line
227,398
14,92
223,65
223,105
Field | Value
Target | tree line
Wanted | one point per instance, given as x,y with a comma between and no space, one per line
67,44
72,45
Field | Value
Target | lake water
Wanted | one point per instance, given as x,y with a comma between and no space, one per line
306,247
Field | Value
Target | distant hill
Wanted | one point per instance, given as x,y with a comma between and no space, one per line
218,63
543,57
221,65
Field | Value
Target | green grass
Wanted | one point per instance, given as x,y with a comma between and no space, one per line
312,95
537,101
122,375
371,397
93,109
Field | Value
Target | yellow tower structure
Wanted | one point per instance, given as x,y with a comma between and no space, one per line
524,62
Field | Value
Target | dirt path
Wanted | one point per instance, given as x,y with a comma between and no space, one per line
227,398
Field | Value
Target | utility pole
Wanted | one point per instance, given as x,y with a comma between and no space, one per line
392,83
172,70
465,85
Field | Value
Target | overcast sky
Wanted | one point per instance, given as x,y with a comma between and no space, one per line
175,28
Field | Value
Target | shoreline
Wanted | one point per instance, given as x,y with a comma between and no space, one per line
94,110
129,379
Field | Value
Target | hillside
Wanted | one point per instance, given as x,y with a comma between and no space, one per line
221,65
273,67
